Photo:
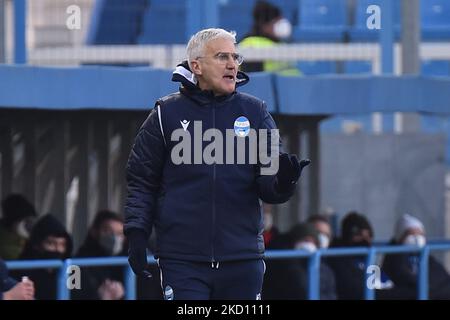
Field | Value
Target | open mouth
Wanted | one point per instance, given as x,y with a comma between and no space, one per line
229,77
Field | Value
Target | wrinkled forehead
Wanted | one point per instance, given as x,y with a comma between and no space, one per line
220,45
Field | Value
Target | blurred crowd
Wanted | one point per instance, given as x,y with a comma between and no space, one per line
24,235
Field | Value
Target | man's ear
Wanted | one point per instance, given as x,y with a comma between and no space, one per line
196,68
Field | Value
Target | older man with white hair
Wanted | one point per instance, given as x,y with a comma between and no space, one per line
183,180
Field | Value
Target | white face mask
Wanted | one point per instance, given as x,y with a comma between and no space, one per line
304,245
282,29
324,241
415,240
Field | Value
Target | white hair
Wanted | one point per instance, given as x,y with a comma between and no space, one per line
196,45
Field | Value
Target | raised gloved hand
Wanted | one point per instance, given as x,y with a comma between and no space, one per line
137,253
289,171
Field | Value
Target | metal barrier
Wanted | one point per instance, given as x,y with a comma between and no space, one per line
314,259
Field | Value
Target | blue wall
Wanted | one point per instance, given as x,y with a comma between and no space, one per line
97,87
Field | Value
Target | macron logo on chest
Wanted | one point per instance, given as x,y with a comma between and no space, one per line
185,124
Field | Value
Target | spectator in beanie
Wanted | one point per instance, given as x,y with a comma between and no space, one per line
403,268
350,271
48,240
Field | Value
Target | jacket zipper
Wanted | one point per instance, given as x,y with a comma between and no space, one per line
213,259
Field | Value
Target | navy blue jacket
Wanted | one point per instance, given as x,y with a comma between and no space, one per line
201,212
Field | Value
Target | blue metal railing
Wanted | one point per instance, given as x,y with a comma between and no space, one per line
370,253
314,260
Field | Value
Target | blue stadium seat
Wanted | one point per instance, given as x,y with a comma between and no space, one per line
321,21
116,21
359,31
435,20
436,68
164,22
357,67
261,85
317,67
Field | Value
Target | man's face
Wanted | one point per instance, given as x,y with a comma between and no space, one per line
215,73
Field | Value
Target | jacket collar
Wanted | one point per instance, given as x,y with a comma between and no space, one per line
189,84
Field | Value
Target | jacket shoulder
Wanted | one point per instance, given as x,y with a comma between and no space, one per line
170,98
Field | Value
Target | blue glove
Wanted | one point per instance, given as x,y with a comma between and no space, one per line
289,171
137,253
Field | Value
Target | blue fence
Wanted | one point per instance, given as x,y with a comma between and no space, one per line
314,260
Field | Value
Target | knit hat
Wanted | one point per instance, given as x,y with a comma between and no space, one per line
353,224
406,222
264,12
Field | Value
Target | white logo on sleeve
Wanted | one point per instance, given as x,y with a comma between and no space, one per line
185,124
168,293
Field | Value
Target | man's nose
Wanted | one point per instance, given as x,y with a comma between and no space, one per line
231,64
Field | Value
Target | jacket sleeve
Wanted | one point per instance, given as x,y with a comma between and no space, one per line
143,174
266,183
